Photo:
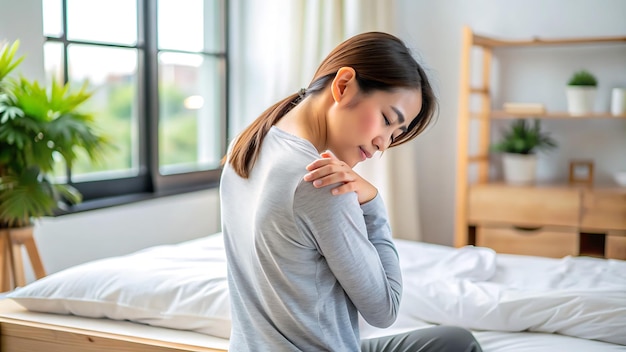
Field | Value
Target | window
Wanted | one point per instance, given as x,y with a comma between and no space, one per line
158,73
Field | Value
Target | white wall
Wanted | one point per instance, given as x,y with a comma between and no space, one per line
434,29
20,20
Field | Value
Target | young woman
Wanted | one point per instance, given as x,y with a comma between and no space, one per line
307,239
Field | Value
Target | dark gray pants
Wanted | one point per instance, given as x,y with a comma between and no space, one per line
435,339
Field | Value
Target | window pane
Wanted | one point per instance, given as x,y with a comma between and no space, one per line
108,21
191,104
52,19
53,61
53,66
195,26
112,75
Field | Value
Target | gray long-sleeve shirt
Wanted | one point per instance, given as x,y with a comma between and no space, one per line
303,263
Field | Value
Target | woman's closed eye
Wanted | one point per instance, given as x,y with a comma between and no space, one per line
388,123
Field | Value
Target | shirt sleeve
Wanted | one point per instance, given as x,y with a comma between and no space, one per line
356,242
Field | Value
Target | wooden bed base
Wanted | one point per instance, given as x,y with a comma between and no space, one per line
22,336
18,335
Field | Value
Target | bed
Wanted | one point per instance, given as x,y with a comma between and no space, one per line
175,298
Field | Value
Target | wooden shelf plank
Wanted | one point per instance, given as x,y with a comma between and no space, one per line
601,187
499,114
479,90
494,42
478,158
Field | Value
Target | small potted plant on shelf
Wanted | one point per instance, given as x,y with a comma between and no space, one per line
581,93
519,144
38,126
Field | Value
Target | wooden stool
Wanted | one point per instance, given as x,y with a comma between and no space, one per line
11,259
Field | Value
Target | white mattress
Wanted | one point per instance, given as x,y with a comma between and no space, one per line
421,263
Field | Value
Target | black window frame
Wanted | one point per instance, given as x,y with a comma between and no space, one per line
149,183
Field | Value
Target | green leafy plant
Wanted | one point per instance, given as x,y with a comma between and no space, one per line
38,125
583,78
524,138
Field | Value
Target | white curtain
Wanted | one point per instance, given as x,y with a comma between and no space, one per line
275,48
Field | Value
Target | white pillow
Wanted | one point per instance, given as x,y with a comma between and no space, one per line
179,286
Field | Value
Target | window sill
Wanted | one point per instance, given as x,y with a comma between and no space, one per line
108,202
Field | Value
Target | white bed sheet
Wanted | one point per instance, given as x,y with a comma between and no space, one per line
477,289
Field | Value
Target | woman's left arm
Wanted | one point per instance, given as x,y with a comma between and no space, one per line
381,309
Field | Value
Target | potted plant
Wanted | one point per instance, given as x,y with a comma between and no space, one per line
38,125
581,93
519,144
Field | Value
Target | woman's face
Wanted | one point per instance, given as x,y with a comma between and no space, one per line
359,125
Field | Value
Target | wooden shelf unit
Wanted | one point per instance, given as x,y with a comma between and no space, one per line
528,219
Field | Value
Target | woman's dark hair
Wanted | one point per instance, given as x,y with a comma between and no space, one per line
381,62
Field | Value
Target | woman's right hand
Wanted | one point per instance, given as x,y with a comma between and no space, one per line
329,170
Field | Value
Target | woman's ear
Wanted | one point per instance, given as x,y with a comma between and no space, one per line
344,77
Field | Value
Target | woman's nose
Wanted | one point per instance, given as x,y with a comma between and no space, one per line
379,143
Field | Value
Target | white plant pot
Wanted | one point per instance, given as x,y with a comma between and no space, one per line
580,99
519,168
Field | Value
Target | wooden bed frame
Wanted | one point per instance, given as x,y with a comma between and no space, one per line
19,335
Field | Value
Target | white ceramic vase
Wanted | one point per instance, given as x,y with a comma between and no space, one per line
618,101
580,99
519,169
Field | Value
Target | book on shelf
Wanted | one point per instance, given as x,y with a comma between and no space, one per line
524,108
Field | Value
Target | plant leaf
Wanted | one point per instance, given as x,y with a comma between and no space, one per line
7,59
523,138
25,196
